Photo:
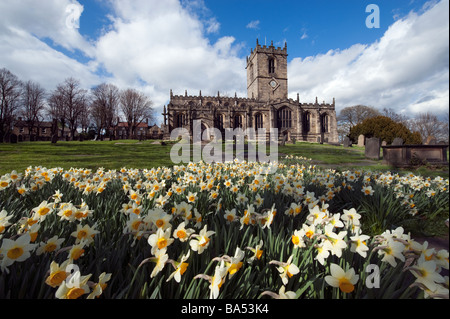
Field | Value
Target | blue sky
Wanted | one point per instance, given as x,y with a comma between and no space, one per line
309,27
194,45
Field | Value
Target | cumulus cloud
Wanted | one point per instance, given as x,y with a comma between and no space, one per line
408,63
165,48
28,32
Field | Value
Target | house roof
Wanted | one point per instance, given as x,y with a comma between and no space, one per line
125,124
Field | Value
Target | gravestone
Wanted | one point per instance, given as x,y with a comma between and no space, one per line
384,143
347,142
397,141
372,150
54,138
283,141
431,140
361,140
13,138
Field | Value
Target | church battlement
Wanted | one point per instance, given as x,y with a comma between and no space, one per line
176,99
271,49
316,104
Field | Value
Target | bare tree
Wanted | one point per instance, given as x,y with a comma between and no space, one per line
9,100
32,105
136,108
353,115
396,117
85,117
428,124
56,109
104,106
67,102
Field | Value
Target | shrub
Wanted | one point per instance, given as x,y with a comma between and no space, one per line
386,129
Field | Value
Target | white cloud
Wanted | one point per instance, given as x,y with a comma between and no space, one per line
24,28
253,25
408,63
304,35
212,26
153,46
167,50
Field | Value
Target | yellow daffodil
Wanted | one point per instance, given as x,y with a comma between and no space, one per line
4,220
159,218
344,280
367,190
201,241
286,269
75,288
49,246
180,268
426,274
85,233
58,273
160,240
43,210
160,260
181,233
235,262
100,286
16,250
359,244
77,251
257,251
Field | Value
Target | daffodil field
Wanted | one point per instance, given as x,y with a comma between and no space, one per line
222,230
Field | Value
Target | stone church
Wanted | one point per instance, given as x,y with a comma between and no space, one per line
266,106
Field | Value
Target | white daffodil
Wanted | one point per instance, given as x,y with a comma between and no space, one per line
160,240
344,280
359,244
426,274
16,250
182,233
201,241
180,268
286,269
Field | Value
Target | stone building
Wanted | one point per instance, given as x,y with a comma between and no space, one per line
266,106
41,131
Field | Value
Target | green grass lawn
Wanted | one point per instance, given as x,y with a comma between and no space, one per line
88,154
148,154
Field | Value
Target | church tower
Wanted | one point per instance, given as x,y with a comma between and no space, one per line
267,73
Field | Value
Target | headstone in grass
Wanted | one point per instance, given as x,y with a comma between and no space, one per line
397,141
372,150
347,142
361,140
54,138
13,138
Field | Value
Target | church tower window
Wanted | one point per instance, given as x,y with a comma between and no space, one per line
271,65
